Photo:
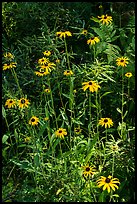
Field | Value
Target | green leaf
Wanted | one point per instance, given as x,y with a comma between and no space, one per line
36,160
3,112
4,138
106,93
118,110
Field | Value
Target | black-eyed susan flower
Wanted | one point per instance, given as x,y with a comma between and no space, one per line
33,120
128,74
61,133
63,34
108,183
77,130
10,103
88,170
8,56
92,85
50,66
107,122
47,90
68,73
122,61
43,61
42,72
9,65
23,103
47,53
84,32
105,19
93,41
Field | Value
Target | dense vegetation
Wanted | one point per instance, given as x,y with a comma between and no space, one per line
68,102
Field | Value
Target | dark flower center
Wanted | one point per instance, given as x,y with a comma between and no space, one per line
105,17
8,64
107,180
67,71
88,169
42,60
92,38
90,83
22,101
121,60
106,120
11,101
32,120
60,131
77,130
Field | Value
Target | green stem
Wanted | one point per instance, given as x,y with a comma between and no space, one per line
90,116
16,79
122,108
113,165
66,50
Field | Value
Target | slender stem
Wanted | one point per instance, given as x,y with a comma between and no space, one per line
128,89
122,108
113,165
16,79
90,116
66,50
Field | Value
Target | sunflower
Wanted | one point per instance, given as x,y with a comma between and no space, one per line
92,85
77,130
84,32
33,120
106,122
105,19
128,74
23,103
88,171
43,61
63,34
47,90
122,61
68,73
93,41
9,65
10,103
61,133
108,183
8,56
47,53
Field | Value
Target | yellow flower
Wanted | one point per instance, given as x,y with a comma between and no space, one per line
57,61
84,32
61,133
43,61
10,103
128,74
93,41
68,73
92,85
47,53
9,65
27,139
47,90
8,56
46,118
106,122
88,171
63,34
108,183
105,19
23,102
33,120
122,61
77,130
41,72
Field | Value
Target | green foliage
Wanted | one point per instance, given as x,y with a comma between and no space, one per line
39,165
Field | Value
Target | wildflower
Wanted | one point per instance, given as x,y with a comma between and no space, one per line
23,102
108,183
9,65
61,133
105,19
63,34
88,171
41,72
122,61
106,122
46,118
33,120
92,85
47,90
128,74
9,56
43,61
47,53
77,130
84,32
112,146
27,139
68,73
10,103
93,41
50,66
57,61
